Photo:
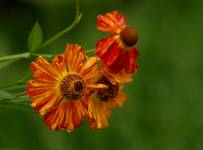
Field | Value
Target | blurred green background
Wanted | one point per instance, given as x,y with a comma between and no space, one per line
165,101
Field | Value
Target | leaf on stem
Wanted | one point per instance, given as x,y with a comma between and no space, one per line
35,38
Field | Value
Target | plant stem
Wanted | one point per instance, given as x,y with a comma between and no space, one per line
74,23
28,55
44,55
77,19
90,51
15,56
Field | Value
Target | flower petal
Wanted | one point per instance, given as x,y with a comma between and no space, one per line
66,115
99,112
108,49
119,63
97,86
131,57
120,99
44,95
121,77
74,57
89,70
111,22
43,69
58,64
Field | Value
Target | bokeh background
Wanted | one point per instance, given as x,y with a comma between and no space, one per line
164,110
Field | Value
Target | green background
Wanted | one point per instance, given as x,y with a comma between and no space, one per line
165,101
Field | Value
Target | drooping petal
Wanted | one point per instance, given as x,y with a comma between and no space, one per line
119,63
131,58
119,100
121,77
111,22
74,57
126,61
103,45
99,112
108,49
66,115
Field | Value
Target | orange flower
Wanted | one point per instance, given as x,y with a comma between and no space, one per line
117,51
59,89
102,101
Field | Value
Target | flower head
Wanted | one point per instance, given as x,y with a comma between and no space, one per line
102,101
117,50
60,89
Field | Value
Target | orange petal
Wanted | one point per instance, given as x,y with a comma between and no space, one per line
37,87
121,77
43,69
74,57
99,112
89,71
43,93
111,22
58,64
66,115
97,86
119,100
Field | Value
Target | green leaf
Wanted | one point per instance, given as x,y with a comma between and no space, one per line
6,95
35,38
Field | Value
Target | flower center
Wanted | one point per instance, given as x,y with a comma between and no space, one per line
129,36
72,86
111,92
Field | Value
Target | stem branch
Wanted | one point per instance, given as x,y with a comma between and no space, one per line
74,23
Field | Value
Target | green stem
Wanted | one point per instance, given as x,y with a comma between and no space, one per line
90,51
44,55
28,55
23,55
49,41
15,56
74,23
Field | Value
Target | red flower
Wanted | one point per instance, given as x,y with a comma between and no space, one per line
117,51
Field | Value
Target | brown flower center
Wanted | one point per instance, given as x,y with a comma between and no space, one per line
129,36
72,86
111,92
